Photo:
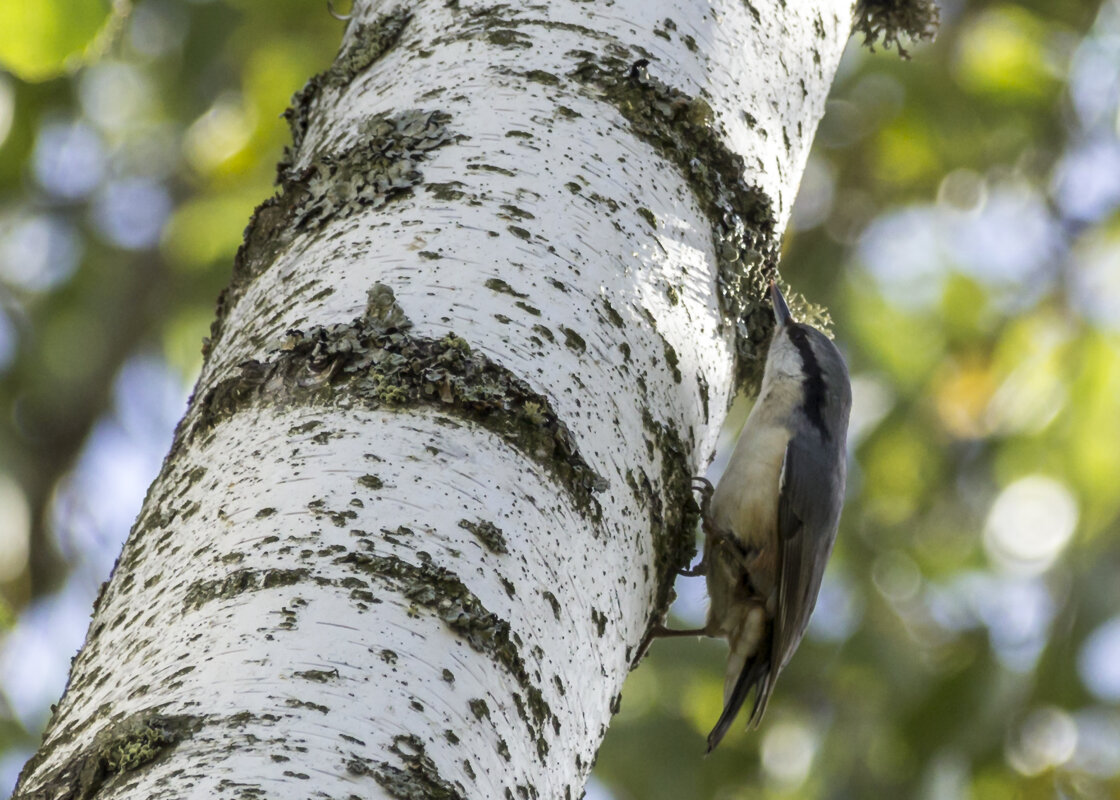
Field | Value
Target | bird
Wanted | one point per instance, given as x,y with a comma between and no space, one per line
770,522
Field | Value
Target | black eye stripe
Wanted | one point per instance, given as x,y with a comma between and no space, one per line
812,403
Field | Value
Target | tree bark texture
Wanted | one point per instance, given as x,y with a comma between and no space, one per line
433,484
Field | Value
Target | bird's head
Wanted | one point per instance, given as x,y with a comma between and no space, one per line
801,353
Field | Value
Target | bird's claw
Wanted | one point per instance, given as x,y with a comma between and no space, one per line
704,487
659,631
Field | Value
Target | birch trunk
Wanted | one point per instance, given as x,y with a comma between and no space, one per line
433,484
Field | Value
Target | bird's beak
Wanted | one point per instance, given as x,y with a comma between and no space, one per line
781,310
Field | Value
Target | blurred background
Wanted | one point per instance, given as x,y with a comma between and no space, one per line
960,216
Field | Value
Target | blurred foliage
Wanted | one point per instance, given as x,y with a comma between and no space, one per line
125,185
959,217
39,40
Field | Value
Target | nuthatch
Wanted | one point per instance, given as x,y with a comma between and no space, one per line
770,523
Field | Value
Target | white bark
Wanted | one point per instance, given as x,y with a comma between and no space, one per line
331,595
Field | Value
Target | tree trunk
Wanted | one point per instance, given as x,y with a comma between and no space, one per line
433,484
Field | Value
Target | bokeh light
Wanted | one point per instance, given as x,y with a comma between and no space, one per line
1096,279
1087,180
839,608
1098,663
37,252
69,159
1030,523
788,748
9,340
7,108
219,134
15,529
116,95
157,28
1047,738
131,213
1098,742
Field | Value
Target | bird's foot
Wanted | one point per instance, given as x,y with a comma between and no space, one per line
659,631
706,490
704,487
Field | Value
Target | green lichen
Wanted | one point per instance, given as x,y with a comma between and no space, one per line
489,534
573,340
510,211
365,45
886,20
742,221
317,675
119,748
672,511
493,168
612,314
479,708
381,166
447,192
507,37
304,427
341,519
371,482
441,592
535,413
541,76
500,286
332,183
243,580
417,777
672,359
377,362
553,602
294,702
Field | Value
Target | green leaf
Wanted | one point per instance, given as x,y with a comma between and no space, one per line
42,39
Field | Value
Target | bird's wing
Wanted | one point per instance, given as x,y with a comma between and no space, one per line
808,512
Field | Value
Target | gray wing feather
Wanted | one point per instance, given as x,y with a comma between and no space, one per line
811,495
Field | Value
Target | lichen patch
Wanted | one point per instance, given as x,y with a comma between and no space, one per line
375,361
743,228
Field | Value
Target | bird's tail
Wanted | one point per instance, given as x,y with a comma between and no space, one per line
756,674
